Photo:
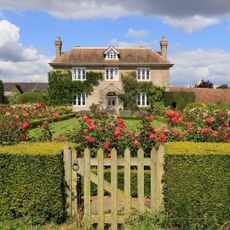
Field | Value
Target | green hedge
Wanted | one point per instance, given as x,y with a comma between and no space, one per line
35,123
197,184
181,99
31,183
29,97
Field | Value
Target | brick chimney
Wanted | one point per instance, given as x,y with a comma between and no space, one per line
58,46
164,44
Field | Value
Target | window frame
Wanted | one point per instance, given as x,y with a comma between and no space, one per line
143,74
78,73
142,100
79,97
114,74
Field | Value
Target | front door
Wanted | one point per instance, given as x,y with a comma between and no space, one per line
111,103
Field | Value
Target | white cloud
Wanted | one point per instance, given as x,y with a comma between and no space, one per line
191,66
136,33
19,63
190,24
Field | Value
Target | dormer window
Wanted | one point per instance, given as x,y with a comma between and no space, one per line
111,54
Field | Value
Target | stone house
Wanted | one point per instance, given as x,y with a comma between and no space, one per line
112,61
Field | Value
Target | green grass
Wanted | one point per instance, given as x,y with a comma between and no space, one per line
64,126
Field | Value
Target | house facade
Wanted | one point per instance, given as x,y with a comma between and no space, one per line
113,62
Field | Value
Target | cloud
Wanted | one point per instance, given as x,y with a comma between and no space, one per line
190,24
191,66
19,63
136,33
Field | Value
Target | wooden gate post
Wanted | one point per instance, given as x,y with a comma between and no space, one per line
70,179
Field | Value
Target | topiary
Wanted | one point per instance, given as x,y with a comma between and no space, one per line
194,105
29,97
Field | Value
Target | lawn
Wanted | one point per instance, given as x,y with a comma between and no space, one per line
62,127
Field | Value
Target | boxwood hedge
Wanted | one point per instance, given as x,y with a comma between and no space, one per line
31,183
197,184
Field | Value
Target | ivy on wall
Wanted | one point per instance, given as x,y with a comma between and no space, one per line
132,87
62,88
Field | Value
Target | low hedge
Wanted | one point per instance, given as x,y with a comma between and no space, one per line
31,183
196,184
37,122
178,99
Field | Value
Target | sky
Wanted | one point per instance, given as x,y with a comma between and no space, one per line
198,34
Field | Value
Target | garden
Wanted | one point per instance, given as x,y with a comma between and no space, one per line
196,179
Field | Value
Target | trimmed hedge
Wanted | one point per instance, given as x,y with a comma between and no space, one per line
31,183
37,122
181,99
197,184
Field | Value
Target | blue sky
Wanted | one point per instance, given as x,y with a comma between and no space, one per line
198,34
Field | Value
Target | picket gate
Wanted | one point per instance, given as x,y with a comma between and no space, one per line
76,167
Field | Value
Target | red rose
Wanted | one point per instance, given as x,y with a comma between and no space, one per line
117,132
179,119
205,130
109,155
91,127
189,125
176,114
151,118
170,113
25,125
120,120
84,116
152,136
162,137
56,115
208,120
88,121
92,140
85,130
87,138
174,119
215,134
56,138
22,136
136,143
46,123
177,134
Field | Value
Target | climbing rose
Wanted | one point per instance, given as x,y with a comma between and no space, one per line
56,115
25,125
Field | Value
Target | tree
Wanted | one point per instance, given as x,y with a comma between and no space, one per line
204,84
224,86
1,92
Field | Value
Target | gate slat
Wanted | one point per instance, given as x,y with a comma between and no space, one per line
140,154
87,167
127,176
100,189
153,179
114,189
74,184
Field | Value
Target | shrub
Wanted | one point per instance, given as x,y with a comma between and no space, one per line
196,184
178,100
31,183
195,105
29,97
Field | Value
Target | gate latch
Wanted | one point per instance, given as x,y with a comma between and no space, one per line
75,166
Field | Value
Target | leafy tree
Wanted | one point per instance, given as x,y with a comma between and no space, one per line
155,96
1,92
224,86
204,84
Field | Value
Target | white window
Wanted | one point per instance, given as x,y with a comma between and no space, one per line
111,73
143,74
79,99
78,74
111,54
142,99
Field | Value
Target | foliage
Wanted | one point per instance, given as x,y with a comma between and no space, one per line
196,184
178,100
33,188
148,221
131,88
13,96
219,105
224,86
204,84
29,97
1,92
61,87
195,105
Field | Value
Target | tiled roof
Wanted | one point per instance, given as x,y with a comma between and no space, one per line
25,86
95,56
206,95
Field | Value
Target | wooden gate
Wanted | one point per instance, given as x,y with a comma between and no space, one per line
83,167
